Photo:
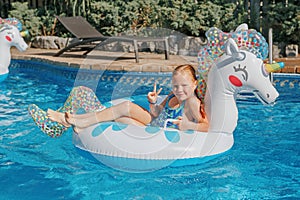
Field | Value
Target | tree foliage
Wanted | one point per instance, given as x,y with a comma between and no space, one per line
190,17
285,20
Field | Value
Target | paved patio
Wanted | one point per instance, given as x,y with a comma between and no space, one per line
149,62
119,61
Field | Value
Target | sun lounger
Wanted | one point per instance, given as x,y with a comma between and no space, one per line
89,38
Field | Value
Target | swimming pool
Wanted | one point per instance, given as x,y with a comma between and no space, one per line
263,163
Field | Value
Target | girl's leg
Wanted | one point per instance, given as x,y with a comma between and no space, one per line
122,110
124,120
128,120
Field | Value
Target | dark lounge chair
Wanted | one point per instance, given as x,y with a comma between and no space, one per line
87,37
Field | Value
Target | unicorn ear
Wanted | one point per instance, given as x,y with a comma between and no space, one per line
232,49
242,27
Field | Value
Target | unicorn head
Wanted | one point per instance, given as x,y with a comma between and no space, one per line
243,69
235,70
246,39
11,36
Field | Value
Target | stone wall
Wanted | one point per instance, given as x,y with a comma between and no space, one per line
179,45
49,42
188,46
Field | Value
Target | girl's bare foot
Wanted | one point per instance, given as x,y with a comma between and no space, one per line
78,123
58,117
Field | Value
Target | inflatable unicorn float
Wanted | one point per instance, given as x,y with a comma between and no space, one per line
10,35
228,63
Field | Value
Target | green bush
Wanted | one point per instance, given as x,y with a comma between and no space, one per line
29,17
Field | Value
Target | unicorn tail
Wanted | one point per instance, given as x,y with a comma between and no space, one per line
49,127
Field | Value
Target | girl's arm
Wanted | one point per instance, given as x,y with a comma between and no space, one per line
184,124
200,126
194,117
152,99
155,109
200,122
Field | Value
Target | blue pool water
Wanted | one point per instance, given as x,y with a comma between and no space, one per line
263,163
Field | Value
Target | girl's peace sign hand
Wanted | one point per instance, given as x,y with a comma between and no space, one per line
152,96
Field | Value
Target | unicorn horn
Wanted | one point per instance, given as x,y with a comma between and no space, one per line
274,66
24,33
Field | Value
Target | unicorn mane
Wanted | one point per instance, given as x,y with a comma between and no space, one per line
11,21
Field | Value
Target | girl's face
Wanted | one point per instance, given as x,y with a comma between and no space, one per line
183,86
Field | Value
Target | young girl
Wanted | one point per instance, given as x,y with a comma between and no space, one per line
182,105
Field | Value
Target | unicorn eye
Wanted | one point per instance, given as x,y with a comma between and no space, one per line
10,34
240,69
264,71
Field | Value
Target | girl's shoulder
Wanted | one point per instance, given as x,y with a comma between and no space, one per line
193,101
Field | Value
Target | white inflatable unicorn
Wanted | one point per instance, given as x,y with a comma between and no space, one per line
139,149
133,148
9,36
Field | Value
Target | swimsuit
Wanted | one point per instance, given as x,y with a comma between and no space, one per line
168,113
